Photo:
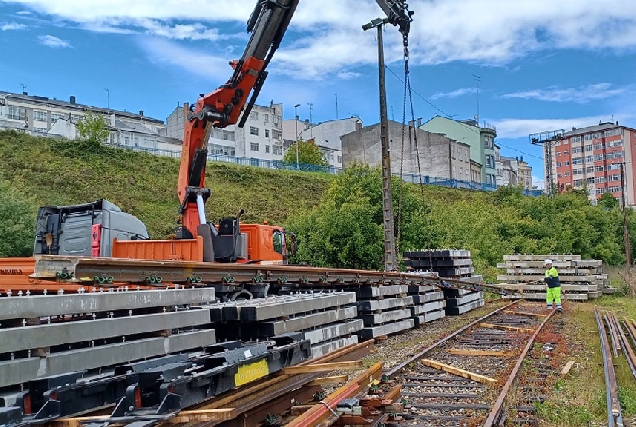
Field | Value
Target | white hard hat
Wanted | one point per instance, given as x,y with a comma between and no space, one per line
547,261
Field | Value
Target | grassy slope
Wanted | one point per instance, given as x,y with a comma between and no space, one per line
50,172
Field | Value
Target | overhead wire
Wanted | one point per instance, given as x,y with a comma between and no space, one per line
471,128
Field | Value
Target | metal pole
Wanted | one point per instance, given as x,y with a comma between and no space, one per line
628,250
296,141
390,262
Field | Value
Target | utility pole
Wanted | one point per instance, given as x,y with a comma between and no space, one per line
390,260
336,106
296,142
477,79
628,249
107,97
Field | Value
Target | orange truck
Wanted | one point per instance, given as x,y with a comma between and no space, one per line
101,229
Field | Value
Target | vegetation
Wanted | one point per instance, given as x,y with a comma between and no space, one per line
337,218
93,129
45,171
345,229
308,154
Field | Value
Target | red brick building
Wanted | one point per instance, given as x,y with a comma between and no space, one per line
591,157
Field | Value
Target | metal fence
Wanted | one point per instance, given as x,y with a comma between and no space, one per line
280,165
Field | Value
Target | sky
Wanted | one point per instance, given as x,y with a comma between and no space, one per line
525,66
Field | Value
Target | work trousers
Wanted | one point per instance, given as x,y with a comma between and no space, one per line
553,294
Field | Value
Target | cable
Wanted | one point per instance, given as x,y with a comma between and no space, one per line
472,128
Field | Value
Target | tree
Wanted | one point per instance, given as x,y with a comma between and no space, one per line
93,128
308,153
17,222
608,201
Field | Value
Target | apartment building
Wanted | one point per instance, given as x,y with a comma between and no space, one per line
591,158
326,135
261,138
440,157
39,115
513,171
480,139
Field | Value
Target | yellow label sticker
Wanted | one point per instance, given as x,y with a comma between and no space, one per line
251,372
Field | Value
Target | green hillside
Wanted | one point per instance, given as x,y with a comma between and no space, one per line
43,171
338,218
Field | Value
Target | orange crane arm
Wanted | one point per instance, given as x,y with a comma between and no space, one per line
225,105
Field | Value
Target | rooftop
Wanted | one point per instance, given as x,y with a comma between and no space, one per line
72,105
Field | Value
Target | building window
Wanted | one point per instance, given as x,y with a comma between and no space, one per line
39,115
17,113
266,133
254,115
277,150
339,159
253,130
266,118
253,146
55,117
559,154
267,148
277,135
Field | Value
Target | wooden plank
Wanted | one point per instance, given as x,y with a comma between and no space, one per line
321,367
505,327
458,371
204,416
338,379
523,313
476,352
567,367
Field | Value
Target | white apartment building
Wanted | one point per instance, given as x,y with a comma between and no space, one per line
261,138
38,115
326,135
512,171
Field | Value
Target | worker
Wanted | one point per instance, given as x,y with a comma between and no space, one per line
553,292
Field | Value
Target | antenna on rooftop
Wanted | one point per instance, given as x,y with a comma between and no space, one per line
23,88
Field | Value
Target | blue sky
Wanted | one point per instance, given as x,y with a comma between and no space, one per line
543,65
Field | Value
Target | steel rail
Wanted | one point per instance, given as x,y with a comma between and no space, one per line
318,413
627,349
260,394
85,270
614,415
419,355
496,408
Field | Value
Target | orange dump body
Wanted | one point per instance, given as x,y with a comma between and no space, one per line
182,250
260,247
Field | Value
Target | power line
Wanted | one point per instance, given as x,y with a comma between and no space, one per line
472,128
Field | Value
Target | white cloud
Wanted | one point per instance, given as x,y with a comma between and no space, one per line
24,12
522,128
326,36
6,26
165,52
455,93
581,95
54,42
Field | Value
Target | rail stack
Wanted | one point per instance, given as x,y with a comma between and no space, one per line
326,319
580,279
453,264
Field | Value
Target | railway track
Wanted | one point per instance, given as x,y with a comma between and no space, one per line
464,379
